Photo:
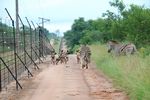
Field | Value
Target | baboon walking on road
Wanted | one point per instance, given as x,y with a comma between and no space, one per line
85,54
53,59
78,56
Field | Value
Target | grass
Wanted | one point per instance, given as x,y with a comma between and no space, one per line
56,45
131,74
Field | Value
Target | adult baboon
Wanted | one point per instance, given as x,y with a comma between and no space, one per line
85,54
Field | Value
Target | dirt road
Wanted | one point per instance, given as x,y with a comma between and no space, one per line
68,82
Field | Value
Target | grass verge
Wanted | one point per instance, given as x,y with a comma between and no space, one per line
130,73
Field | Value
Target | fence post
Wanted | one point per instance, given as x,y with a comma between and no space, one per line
40,43
24,39
0,78
1,42
33,39
35,44
30,36
0,61
14,36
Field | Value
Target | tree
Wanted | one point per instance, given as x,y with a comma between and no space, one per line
137,23
130,24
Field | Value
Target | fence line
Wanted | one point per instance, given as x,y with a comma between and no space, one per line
18,52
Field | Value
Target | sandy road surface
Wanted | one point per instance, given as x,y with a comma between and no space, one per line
68,82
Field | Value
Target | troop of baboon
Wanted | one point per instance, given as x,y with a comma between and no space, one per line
82,57
62,57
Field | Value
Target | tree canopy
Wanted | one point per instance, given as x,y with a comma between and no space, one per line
132,24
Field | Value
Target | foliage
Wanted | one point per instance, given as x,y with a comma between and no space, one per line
130,24
137,23
73,36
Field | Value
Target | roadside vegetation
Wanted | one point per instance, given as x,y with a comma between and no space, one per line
128,73
57,44
130,24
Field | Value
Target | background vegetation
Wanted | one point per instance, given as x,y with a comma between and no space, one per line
130,24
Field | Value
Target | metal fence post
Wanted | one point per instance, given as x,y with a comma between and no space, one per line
40,42
14,36
24,39
30,36
0,78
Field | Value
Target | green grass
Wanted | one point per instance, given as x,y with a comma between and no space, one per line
56,45
131,74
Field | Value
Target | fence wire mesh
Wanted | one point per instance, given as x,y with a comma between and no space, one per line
30,44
